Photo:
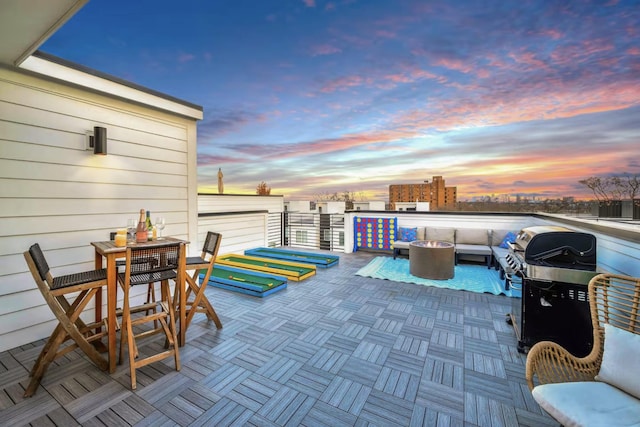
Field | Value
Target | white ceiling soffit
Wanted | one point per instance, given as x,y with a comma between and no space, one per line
26,24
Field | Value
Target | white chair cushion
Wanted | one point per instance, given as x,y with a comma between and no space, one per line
621,360
588,404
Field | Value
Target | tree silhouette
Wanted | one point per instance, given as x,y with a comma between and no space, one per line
263,189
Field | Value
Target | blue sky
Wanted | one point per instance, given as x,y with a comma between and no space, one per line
313,97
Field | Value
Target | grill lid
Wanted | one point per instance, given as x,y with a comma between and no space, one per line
560,247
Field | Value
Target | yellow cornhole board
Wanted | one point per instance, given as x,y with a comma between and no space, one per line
295,271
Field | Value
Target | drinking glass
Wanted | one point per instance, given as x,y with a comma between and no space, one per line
160,226
131,229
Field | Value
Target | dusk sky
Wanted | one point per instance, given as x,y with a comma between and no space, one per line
314,97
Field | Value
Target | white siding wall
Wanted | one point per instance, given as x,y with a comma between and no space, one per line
54,192
213,203
239,231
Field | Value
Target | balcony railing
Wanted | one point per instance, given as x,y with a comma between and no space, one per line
307,230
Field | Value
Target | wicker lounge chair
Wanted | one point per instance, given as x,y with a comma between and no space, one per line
602,388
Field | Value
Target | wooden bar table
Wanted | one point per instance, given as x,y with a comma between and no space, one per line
109,251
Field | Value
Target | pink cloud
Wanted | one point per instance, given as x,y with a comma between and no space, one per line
454,64
577,53
309,3
528,105
343,83
413,74
324,49
528,58
321,146
553,34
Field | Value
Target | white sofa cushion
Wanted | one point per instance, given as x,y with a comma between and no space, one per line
621,360
399,244
472,236
588,404
441,234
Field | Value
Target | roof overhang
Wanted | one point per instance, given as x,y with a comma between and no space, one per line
26,24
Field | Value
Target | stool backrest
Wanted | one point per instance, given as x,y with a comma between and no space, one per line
39,260
212,243
147,264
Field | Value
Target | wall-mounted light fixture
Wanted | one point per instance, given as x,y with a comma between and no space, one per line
98,141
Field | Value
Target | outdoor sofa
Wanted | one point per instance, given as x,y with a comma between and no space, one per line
478,242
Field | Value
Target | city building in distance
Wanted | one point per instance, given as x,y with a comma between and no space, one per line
438,195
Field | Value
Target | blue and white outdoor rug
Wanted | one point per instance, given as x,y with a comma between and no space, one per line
467,277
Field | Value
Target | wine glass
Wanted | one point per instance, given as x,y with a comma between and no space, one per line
131,228
160,226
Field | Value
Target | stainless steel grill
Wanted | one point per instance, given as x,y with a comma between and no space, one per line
555,265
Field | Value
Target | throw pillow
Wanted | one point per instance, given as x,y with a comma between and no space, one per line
620,362
408,234
510,237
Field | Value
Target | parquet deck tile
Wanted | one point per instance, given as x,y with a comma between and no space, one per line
428,417
279,368
230,348
254,392
292,328
412,345
311,381
328,360
251,335
380,337
360,371
253,358
443,372
346,395
333,350
274,342
287,407
487,385
405,362
57,417
325,415
385,409
226,378
398,383
315,335
441,398
485,364
299,350
341,343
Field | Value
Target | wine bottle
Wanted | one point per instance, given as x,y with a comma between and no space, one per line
149,226
141,230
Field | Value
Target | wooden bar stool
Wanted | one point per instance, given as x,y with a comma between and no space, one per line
55,291
148,264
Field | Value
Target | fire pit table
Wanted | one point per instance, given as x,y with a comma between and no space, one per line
431,259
